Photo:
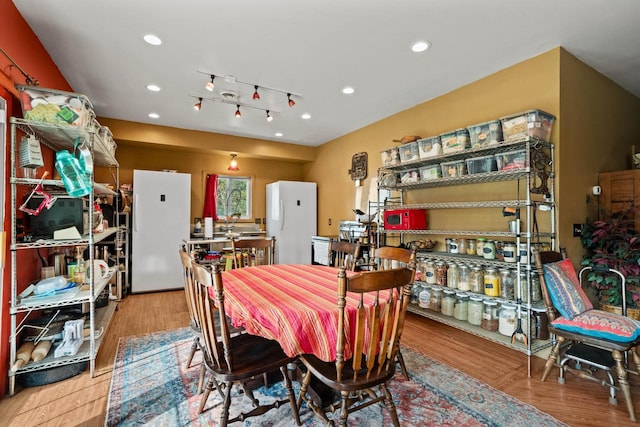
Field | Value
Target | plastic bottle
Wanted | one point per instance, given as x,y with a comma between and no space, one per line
50,284
73,178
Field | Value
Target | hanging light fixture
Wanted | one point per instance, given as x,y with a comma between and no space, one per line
291,101
256,95
210,85
198,105
233,164
238,113
269,116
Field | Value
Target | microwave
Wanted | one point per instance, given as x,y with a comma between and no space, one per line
405,219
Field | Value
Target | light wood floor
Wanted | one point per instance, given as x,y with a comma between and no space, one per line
82,400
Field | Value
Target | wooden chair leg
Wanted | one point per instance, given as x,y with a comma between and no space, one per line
403,368
624,383
303,388
226,404
203,369
290,394
344,409
205,395
391,407
553,357
194,348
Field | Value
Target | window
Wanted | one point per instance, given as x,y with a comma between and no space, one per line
234,196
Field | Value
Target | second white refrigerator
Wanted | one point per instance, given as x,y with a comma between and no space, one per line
161,221
292,218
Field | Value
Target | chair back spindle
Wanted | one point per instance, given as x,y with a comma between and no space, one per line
250,252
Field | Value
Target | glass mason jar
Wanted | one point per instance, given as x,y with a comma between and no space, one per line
461,306
507,319
491,282
424,299
462,246
471,247
447,244
536,291
463,279
506,284
453,275
499,250
480,246
436,300
510,252
524,286
490,315
415,293
441,273
476,280
453,246
448,302
429,272
475,309
489,249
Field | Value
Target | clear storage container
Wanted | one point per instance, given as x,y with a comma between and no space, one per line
461,307
485,134
409,152
475,310
481,164
429,147
532,123
490,315
507,319
453,169
448,302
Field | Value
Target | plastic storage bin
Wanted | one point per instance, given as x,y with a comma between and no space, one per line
455,141
481,164
485,134
409,152
453,169
409,176
55,106
430,172
510,160
532,123
429,147
390,157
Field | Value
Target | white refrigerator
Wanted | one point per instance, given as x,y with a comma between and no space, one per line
160,223
292,218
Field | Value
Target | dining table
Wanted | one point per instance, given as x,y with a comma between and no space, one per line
294,304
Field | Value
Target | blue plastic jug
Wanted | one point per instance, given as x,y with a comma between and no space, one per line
73,177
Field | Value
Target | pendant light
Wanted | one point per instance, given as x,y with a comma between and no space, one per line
233,164
291,101
256,95
269,116
198,105
238,113
210,85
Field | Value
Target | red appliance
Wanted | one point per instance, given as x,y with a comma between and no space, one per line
405,219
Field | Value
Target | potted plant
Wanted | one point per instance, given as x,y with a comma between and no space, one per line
613,242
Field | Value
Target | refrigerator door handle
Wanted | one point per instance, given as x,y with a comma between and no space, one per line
281,215
135,217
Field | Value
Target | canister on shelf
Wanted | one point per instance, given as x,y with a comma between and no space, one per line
506,284
490,315
541,321
509,252
499,250
453,275
476,280
507,319
441,273
462,246
491,282
536,291
523,253
447,244
429,272
448,302
453,246
471,247
480,246
436,300
489,249
524,286
415,292
424,299
461,307
474,310
463,279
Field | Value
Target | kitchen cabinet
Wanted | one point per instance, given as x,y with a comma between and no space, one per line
620,190
25,306
534,204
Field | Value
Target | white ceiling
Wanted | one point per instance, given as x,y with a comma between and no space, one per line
314,48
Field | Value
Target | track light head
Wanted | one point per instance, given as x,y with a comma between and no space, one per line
256,95
269,116
210,85
198,105
291,101
238,113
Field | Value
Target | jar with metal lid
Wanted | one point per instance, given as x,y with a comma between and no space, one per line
480,246
461,307
463,279
453,275
524,286
441,273
429,272
510,252
523,253
436,300
476,280
471,247
475,309
491,282
536,291
489,315
424,298
415,293
462,246
525,322
448,302
489,249
506,284
453,246
507,319
447,244
499,250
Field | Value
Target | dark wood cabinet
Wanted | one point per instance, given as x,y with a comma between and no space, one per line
620,191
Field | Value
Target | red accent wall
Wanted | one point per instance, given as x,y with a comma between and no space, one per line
22,45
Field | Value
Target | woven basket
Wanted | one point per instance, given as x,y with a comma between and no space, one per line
633,313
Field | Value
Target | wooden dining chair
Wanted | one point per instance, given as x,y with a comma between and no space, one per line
344,254
235,360
579,328
365,354
249,252
385,258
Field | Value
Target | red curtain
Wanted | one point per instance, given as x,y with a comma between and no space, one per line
210,197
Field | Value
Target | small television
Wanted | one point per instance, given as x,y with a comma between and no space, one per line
65,212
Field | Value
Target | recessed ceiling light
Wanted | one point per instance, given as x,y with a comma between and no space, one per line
348,90
153,88
420,46
152,39
279,134
154,115
306,116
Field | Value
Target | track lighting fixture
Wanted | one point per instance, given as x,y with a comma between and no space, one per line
210,85
238,113
198,105
233,164
256,95
269,116
291,101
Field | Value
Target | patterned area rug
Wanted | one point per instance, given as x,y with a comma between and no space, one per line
151,386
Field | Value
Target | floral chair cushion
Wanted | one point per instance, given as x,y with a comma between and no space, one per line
601,324
564,289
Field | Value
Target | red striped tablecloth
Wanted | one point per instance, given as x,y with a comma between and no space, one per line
295,305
